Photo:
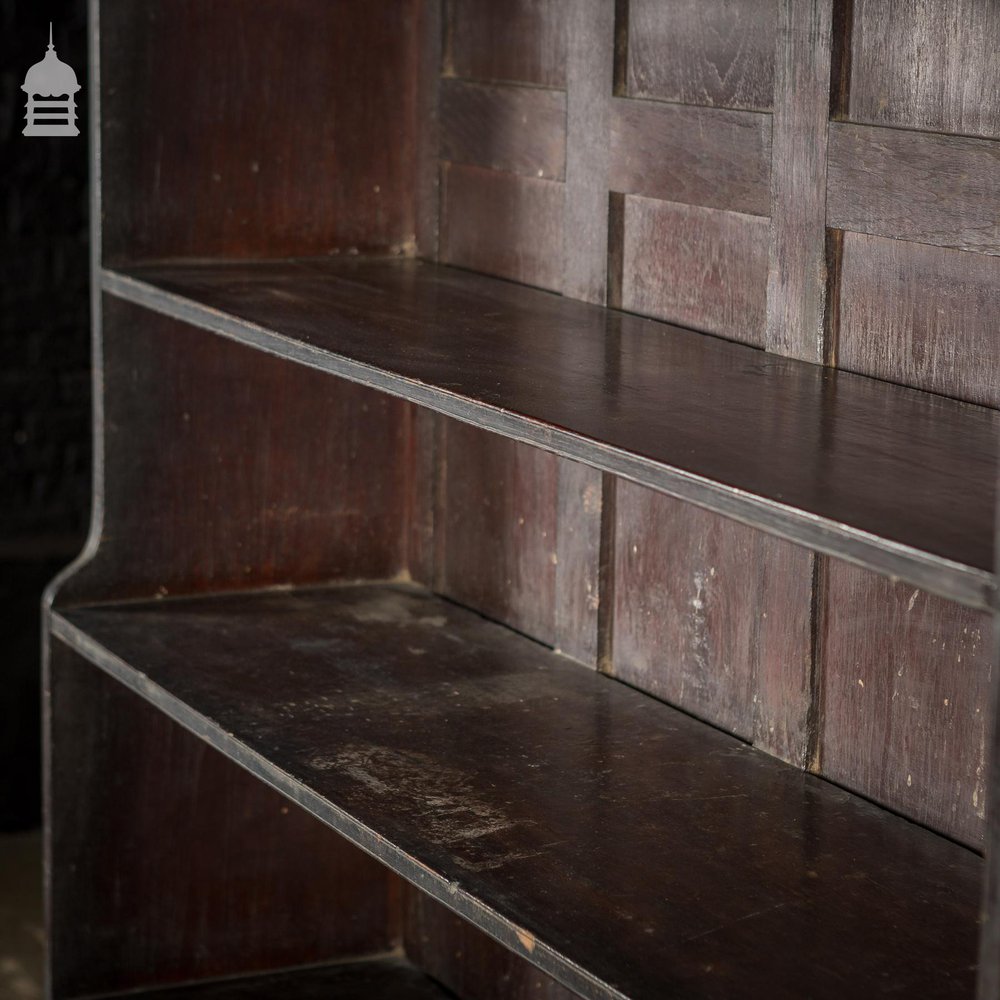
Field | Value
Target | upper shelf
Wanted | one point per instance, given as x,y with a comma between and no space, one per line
895,479
624,847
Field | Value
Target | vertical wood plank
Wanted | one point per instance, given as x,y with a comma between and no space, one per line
905,680
796,287
578,546
428,207
927,65
590,82
423,475
710,52
714,617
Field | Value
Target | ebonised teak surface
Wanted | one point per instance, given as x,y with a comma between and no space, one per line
619,844
895,479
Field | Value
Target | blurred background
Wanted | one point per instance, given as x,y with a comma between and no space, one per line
44,435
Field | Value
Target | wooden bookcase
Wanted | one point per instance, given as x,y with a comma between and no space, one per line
544,505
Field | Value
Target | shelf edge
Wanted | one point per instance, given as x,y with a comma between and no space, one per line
944,577
511,936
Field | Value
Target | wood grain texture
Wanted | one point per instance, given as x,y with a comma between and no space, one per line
226,468
905,699
578,554
899,480
423,478
590,77
504,225
797,274
498,525
522,41
706,609
167,862
697,156
385,978
943,190
520,129
430,31
234,133
504,780
710,52
922,316
466,960
927,64
716,263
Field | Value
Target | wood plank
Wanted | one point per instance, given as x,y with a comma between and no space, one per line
906,699
388,978
520,129
717,262
166,862
713,617
927,65
503,779
896,479
430,31
936,189
498,526
500,224
578,555
218,473
196,139
697,156
922,316
590,79
520,41
797,273
467,961
708,52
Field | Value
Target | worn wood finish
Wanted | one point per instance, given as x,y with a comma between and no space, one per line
697,156
269,117
244,880
713,617
892,478
221,471
796,283
523,41
717,262
428,139
503,780
520,129
388,978
504,225
578,557
710,52
906,699
907,185
423,461
927,65
590,76
467,961
498,528
922,316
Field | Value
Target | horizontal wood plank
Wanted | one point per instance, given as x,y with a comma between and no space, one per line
895,479
697,156
937,189
520,789
520,129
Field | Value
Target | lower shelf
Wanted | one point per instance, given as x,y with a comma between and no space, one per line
384,979
620,845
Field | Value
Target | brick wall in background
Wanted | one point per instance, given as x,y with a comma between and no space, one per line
44,376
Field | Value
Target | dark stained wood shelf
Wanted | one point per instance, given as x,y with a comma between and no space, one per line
895,479
621,845
387,978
